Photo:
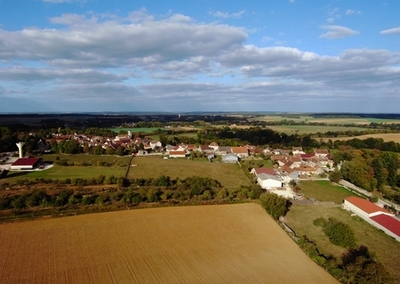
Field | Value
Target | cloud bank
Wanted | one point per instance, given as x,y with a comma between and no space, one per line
138,62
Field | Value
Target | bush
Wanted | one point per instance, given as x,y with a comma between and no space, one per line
335,176
339,233
319,222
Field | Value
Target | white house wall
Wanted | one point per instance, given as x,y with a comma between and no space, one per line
357,211
268,184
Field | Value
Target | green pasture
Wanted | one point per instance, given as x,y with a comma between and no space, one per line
135,130
105,165
63,172
300,218
324,190
312,129
229,175
296,118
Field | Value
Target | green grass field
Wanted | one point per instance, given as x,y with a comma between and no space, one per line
134,130
300,218
229,175
91,159
324,190
116,166
61,172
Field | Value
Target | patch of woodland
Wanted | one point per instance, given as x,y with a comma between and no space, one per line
114,193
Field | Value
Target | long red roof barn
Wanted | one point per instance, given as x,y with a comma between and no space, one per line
366,206
388,222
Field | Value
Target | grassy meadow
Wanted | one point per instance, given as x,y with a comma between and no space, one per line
229,175
105,165
300,218
135,130
324,190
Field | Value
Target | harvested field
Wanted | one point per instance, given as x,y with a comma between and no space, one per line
197,244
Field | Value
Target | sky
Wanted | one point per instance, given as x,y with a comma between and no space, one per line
199,55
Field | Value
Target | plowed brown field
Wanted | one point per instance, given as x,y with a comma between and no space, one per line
197,244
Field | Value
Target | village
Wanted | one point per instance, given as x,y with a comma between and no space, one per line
288,164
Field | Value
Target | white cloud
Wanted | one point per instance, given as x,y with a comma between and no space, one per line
175,63
267,38
353,12
64,1
333,14
336,32
89,42
390,31
292,1
226,15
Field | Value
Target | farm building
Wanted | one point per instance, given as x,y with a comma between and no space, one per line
375,215
364,208
267,181
229,158
26,164
177,154
388,224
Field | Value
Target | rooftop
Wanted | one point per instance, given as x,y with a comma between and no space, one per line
26,162
388,222
366,205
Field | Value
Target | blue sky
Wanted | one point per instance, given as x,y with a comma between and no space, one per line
199,55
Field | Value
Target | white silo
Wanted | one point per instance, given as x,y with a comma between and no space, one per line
20,145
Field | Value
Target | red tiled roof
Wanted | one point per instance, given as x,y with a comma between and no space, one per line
26,162
366,205
239,150
177,152
388,222
306,156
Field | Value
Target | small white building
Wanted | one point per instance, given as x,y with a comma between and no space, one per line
267,181
177,154
229,158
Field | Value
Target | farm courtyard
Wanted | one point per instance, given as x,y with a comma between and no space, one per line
195,244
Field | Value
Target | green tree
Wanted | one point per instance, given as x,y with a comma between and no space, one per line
380,173
391,162
339,233
275,205
335,176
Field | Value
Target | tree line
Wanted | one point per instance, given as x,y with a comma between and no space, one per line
125,191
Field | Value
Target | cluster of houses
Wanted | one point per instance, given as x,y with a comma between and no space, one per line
375,215
289,163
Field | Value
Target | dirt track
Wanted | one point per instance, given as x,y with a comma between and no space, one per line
196,244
